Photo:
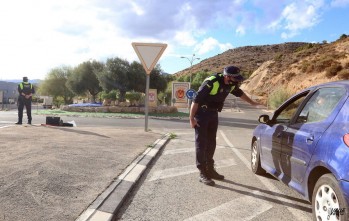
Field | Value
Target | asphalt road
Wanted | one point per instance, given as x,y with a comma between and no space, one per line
170,189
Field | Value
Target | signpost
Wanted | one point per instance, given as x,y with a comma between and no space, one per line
191,94
178,92
2,98
149,54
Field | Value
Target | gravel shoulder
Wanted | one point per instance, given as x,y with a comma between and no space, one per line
54,173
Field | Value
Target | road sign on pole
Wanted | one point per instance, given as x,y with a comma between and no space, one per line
149,54
191,94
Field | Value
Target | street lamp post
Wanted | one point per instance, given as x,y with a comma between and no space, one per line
191,61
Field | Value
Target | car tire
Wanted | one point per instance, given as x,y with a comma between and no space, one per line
328,200
255,159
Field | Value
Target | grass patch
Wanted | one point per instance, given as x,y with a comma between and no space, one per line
172,136
109,115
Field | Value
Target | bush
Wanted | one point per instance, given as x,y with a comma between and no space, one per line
58,101
278,57
333,70
112,95
305,47
343,74
343,36
36,99
133,96
165,97
278,97
324,63
307,67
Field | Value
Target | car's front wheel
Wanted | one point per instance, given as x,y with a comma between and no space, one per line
328,201
255,159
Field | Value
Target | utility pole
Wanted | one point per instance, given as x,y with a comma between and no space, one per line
191,61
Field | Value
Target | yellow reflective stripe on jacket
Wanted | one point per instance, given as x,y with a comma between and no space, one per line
215,87
232,88
21,85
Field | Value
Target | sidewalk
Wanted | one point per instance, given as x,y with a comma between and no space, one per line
60,173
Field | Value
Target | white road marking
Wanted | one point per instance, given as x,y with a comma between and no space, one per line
179,171
237,209
186,150
236,122
7,122
7,126
297,213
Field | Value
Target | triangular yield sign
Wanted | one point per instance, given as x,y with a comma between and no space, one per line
149,54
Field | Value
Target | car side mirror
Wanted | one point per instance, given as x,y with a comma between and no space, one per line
264,119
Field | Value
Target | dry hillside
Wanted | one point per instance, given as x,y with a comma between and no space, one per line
293,66
314,64
248,58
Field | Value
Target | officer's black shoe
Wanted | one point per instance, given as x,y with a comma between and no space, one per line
19,122
206,180
212,173
29,122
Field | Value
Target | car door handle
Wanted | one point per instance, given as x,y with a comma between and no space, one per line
279,134
310,139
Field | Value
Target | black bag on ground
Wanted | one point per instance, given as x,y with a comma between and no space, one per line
56,121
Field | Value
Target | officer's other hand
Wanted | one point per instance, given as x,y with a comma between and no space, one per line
194,123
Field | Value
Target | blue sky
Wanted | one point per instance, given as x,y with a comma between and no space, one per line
39,35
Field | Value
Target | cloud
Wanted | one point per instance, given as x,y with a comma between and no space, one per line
340,3
45,34
210,44
298,16
240,30
137,9
185,38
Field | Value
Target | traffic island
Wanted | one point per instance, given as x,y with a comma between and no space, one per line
120,109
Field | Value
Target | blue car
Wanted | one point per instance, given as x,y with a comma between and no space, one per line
305,144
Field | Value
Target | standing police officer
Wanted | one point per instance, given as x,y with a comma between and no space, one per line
204,117
26,91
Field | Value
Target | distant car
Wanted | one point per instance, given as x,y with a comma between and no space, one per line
305,144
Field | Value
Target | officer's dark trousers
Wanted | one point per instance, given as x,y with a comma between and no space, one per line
28,106
205,137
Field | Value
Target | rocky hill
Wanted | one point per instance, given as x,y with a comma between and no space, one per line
248,58
292,66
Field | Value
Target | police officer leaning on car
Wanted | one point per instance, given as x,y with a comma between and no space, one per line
204,117
25,90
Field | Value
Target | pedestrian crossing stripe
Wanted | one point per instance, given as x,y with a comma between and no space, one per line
237,209
184,170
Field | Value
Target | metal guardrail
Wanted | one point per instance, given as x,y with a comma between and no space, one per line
233,104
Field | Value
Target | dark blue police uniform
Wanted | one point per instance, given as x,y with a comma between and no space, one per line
25,88
210,98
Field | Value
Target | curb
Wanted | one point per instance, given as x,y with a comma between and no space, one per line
107,204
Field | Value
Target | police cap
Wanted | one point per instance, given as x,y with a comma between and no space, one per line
234,72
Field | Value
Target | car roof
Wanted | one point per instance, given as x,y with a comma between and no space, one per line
343,83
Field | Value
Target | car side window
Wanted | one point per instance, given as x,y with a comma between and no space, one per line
320,105
289,111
